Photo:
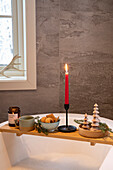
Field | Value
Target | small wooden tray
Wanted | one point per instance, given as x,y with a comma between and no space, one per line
92,134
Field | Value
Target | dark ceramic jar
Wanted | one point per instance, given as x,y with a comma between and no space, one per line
13,113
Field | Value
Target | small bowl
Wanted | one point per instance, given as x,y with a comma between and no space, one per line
50,126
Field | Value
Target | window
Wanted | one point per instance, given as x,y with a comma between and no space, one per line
6,38
17,45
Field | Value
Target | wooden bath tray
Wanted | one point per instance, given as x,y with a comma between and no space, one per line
71,136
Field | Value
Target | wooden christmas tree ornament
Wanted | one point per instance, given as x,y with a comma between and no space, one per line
95,121
85,123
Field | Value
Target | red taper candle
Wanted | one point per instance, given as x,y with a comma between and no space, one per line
66,85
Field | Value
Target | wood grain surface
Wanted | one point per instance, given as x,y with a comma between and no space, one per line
70,136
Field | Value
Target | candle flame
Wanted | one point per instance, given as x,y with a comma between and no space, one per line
66,67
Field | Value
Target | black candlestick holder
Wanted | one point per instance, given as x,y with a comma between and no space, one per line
67,128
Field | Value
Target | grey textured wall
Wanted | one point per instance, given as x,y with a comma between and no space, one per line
77,32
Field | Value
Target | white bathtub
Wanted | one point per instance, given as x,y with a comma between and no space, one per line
43,153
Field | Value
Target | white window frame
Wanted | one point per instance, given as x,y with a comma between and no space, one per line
29,52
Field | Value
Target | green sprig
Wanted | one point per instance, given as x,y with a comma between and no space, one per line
104,127
39,128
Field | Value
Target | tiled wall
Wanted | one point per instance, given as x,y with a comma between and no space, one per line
86,43
77,32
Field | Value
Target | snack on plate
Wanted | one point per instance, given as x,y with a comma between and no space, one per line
43,119
49,118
